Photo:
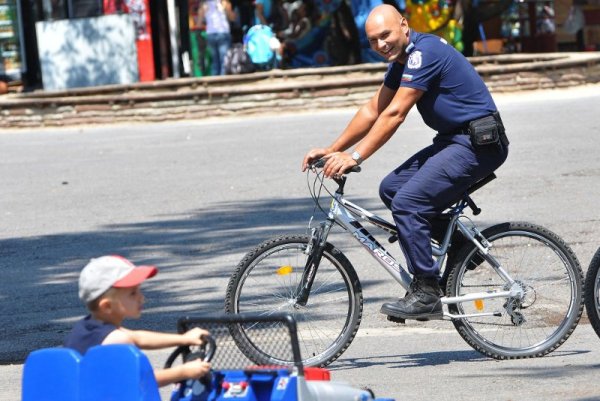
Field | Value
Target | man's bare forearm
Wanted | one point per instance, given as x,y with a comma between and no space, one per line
356,130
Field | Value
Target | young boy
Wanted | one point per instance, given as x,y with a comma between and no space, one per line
110,287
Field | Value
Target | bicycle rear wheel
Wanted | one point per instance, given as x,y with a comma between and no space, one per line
266,280
592,292
548,272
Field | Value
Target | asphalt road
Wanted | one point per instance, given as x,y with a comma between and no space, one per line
192,197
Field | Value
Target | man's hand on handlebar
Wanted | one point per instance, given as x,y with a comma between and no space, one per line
337,163
312,156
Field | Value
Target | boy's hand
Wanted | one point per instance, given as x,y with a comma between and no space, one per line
195,369
194,336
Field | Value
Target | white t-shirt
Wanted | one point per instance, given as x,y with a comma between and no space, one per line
216,17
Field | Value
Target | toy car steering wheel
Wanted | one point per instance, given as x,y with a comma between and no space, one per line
206,352
193,388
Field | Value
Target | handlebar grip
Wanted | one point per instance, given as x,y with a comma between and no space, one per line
318,164
321,162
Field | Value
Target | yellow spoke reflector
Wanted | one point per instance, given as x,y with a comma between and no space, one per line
478,304
283,270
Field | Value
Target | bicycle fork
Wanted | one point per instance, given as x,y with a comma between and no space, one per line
314,250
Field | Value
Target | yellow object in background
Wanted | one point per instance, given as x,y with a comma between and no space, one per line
283,270
436,17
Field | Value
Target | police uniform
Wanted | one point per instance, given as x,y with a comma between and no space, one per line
434,178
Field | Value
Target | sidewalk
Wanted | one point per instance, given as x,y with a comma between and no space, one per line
281,90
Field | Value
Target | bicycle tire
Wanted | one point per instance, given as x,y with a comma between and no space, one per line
592,292
548,271
256,286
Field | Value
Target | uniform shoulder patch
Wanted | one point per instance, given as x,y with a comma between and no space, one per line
415,60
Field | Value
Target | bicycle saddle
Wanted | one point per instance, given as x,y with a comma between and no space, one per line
481,183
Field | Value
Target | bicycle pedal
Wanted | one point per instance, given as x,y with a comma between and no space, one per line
396,319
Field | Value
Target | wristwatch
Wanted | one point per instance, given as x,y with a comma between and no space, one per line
356,157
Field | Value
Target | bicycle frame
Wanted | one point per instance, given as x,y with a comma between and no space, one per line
348,215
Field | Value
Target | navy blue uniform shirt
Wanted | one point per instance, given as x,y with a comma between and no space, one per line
454,92
87,333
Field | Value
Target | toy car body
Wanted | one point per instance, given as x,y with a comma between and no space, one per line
123,373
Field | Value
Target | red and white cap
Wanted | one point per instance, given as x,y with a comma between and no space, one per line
102,273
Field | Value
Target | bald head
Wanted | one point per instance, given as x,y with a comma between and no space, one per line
383,14
388,33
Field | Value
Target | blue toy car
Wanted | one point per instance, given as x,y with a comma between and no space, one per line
123,373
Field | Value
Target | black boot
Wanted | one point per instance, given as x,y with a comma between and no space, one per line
421,302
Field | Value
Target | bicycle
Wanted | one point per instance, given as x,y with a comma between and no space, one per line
513,290
592,292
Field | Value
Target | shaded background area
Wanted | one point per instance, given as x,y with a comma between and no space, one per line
191,198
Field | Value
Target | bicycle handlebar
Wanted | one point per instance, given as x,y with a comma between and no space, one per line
321,162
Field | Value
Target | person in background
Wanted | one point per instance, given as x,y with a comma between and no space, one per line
271,13
546,23
300,23
245,15
217,16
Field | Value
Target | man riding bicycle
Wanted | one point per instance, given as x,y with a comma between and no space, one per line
470,143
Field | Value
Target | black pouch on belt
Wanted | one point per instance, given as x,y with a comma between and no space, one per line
485,131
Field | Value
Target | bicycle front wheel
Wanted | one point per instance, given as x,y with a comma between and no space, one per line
548,273
592,292
266,281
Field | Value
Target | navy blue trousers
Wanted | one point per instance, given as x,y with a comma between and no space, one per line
426,184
